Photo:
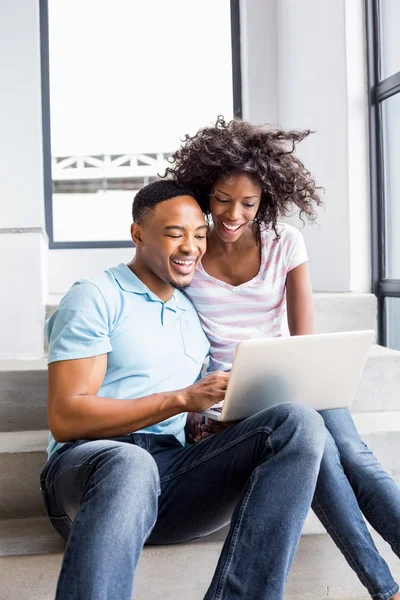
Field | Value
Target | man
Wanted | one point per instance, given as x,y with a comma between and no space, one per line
125,355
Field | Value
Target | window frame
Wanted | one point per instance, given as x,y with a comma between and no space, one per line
46,133
378,91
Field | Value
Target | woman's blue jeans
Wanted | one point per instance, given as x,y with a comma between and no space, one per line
107,496
351,479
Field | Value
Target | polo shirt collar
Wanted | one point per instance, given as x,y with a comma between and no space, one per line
129,282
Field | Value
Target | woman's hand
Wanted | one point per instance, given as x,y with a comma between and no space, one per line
193,427
197,429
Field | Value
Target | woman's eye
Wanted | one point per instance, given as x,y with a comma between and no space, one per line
249,205
221,200
201,237
175,237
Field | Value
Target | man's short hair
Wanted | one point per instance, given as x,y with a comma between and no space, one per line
152,194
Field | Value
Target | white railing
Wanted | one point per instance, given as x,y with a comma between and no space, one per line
113,166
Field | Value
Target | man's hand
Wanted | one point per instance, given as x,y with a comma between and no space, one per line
206,392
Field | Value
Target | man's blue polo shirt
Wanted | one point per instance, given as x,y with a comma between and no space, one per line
152,346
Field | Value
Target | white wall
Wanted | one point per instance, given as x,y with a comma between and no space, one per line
22,299
258,57
23,241
21,183
314,70
67,266
358,148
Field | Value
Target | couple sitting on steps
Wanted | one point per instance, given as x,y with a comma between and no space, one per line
130,458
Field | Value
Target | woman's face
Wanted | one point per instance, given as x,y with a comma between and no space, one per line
234,203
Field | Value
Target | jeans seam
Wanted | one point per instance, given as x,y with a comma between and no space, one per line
235,535
150,530
387,595
53,481
265,430
70,540
371,519
378,527
343,549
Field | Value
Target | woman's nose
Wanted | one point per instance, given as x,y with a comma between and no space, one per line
233,213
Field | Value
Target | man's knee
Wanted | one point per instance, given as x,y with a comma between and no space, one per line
304,426
128,470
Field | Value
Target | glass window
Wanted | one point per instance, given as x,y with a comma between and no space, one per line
389,17
392,314
391,174
127,81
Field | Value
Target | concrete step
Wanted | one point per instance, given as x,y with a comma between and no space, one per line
23,454
23,394
344,312
23,389
31,555
379,388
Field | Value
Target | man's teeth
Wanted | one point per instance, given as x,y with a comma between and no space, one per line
231,227
187,263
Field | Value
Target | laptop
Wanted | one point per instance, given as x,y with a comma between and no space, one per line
322,371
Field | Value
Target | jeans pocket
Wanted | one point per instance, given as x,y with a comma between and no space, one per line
62,525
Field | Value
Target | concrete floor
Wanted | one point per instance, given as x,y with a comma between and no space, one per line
183,572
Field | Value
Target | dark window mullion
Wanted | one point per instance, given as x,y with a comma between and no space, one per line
387,88
375,161
390,288
236,59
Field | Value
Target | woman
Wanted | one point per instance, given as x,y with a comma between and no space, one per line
254,282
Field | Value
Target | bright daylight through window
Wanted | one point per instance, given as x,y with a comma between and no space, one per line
127,81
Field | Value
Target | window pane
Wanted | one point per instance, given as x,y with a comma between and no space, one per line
389,17
392,316
127,81
391,156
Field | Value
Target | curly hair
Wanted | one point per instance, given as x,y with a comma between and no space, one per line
266,155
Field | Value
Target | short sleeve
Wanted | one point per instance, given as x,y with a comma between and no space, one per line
295,248
79,326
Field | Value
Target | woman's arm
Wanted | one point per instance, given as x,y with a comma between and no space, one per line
299,301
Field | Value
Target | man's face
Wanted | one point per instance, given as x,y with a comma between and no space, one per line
173,240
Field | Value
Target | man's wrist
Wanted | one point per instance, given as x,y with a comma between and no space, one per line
177,400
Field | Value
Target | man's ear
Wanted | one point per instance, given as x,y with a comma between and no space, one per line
137,234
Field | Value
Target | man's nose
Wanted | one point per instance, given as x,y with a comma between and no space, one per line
189,246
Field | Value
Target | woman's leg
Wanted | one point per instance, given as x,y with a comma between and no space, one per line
377,494
335,504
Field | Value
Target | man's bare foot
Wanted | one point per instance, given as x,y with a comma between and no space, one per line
396,597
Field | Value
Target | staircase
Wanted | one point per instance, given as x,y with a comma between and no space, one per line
31,552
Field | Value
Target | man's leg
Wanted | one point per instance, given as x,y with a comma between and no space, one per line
102,496
337,508
264,471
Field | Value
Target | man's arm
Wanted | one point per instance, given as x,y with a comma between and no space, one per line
75,411
299,300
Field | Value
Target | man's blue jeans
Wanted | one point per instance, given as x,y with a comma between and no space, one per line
108,496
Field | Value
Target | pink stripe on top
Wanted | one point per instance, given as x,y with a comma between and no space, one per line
254,309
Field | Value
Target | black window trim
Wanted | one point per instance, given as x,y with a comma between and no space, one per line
45,85
378,91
